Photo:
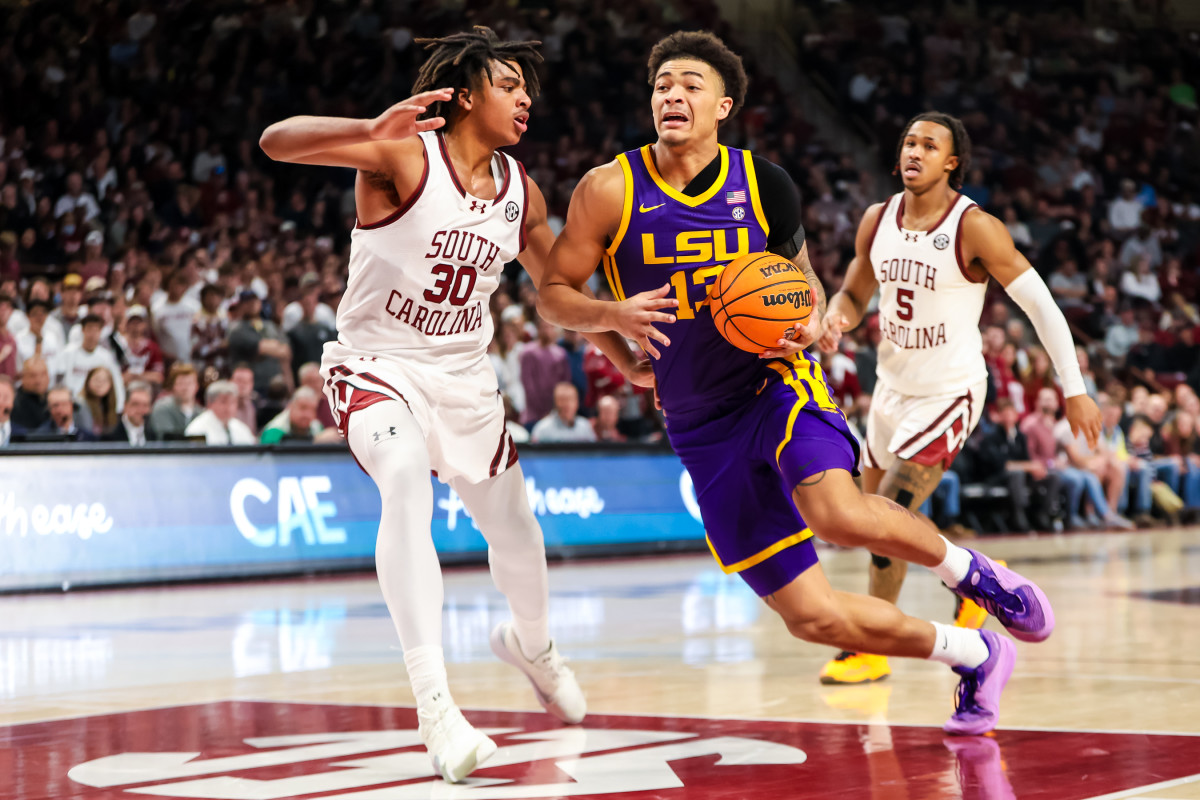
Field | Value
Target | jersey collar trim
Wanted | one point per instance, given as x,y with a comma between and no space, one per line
444,150
675,194
935,226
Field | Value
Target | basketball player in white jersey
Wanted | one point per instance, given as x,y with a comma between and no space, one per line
439,214
930,251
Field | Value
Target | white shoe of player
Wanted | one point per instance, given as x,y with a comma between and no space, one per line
553,681
455,747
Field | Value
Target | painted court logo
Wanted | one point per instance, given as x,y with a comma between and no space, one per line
579,762
239,750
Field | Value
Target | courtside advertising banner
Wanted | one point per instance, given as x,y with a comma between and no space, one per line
133,516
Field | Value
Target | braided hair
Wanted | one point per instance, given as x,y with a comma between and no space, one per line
457,61
958,135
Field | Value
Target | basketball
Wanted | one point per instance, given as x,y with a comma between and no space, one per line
758,299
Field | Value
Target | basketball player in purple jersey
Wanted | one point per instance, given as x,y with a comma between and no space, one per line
770,454
440,211
930,251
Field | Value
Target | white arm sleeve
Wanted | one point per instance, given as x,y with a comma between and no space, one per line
1032,295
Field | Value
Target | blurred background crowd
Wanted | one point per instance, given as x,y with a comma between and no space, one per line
161,279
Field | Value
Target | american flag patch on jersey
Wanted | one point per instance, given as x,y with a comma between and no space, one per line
733,198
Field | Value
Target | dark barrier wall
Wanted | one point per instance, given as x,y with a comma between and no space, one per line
96,517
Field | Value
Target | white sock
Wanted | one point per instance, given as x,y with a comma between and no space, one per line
427,673
958,647
533,636
955,566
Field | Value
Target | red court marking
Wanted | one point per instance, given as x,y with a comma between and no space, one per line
659,758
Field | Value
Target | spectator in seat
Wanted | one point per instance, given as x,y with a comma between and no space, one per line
1103,475
100,399
1141,284
608,414
173,316
40,340
543,366
30,409
70,311
1139,472
1069,286
8,395
78,361
210,329
258,343
142,356
1004,455
8,342
1125,212
217,423
1183,445
297,422
247,403
1122,336
62,416
308,333
174,411
1142,245
310,375
564,423
134,427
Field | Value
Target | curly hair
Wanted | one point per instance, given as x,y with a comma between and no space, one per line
958,134
703,46
458,60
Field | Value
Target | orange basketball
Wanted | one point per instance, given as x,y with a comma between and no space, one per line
757,299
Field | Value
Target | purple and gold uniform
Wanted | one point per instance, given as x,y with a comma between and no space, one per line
747,429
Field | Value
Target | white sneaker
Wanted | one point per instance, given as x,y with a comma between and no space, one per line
553,681
454,746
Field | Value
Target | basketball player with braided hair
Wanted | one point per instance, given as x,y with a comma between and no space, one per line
440,211
930,251
770,455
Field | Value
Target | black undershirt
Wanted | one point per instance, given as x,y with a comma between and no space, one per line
779,198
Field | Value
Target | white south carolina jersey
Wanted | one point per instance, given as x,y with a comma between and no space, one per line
929,306
420,279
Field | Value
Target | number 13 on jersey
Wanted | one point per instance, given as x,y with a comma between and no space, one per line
699,277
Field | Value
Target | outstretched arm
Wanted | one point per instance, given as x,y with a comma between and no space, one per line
539,241
849,305
355,143
988,244
594,214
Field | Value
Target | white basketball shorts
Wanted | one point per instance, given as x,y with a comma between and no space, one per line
926,430
461,413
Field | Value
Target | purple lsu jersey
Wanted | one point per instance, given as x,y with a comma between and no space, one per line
666,236
747,429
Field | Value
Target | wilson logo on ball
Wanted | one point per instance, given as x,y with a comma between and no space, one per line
794,299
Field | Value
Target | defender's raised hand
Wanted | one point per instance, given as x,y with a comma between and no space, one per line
400,121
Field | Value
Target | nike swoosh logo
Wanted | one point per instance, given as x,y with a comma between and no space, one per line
642,208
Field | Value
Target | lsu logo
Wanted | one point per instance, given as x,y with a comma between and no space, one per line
697,247
795,299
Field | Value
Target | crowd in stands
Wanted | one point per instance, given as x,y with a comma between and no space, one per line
160,278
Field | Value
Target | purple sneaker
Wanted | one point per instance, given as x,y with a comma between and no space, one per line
977,699
1017,602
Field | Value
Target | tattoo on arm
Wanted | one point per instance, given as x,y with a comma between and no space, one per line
894,506
813,480
810,275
